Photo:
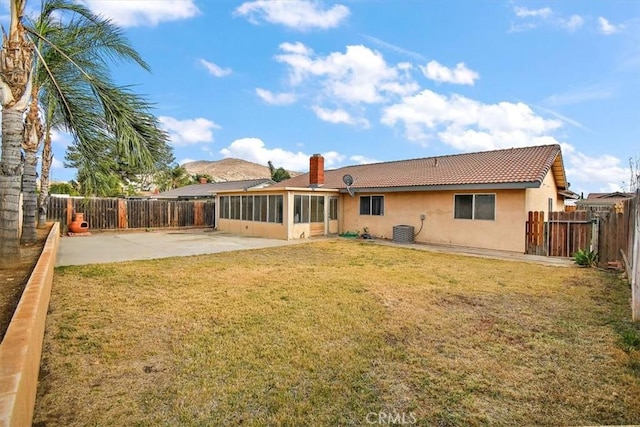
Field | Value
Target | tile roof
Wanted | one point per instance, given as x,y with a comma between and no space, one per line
210,189
605,196
520,167
601,199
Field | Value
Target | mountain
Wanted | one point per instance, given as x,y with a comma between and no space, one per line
230,169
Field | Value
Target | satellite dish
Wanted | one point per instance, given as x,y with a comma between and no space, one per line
348,181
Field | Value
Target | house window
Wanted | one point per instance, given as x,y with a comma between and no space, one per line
475,206
371,205
260,209
247,208
235,207
317,209
333,208
275,209
308,209
224,207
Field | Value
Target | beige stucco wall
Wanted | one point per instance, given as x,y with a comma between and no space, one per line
250,228
506,232
537,198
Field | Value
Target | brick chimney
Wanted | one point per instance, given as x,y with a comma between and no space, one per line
203,180
316,170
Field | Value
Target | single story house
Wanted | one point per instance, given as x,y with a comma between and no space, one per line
603,201
208,190
474,199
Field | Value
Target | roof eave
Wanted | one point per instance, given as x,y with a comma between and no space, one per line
448,187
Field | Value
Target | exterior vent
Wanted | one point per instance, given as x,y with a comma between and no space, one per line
403,233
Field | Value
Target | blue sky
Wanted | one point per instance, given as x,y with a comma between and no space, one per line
364,81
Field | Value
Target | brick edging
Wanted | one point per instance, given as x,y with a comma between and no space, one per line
21,347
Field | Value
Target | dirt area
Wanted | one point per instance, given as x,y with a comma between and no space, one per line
14,279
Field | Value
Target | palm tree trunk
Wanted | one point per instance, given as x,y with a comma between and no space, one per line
43,198
16,59
30,144
10,178
30,197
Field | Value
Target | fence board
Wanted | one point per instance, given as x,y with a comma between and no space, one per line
535,234
568,232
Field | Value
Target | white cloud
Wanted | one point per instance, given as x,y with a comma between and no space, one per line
299,15
61,138
339,116
466,124
604,170
394,48
562,117
529,19
580,95
296,47
254,150
332,159
523,12
460,75
214,69
363,160
360,75
185,160
572,24
607,28
132,13
276,98
188,132
56,164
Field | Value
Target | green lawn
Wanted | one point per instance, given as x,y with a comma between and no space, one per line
338,333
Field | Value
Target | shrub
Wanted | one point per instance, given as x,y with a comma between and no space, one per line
586,258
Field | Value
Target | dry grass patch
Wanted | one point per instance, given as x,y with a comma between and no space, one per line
328,332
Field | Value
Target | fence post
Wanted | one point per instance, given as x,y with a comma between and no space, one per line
122,214
635,277
595,232
69,213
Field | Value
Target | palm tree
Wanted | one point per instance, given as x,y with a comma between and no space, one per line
15,78
76,94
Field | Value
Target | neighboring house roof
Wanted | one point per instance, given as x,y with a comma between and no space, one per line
568,194
210,189
509,168
605,198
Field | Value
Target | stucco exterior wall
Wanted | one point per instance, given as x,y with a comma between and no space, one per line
506,232
537,198
251,228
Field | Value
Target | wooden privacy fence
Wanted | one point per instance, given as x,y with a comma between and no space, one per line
564,233
119,214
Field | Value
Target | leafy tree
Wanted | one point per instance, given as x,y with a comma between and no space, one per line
172,177
63,188
197,177
278,174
